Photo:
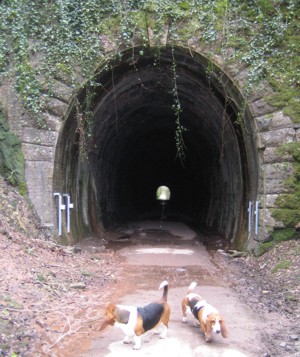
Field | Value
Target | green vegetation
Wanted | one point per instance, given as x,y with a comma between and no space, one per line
11,157
68,39
279,235
287,210
285,264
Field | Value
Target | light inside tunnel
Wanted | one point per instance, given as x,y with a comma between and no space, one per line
163,193
133,148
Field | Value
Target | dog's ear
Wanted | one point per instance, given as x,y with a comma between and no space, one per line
107,321
109,317
208,332
224,331
184,304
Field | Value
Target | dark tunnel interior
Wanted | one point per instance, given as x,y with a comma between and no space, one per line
133,148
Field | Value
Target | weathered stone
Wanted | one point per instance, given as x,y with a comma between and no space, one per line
241,76
193,42
278,170
262,123
56,106
62,91
272,126
267,220
272,155
264,235
260,93
39,137
53,122
273,121
260,107
275,186
276,137
35,152
297,134
107,44
279,120
274,176
39,175
270,201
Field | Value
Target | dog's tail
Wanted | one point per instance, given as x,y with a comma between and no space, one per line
164,285
192,287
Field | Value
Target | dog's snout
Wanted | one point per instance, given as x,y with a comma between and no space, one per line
218,331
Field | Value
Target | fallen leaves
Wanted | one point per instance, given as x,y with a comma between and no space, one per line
49,292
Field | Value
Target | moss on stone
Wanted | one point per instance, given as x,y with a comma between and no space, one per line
11,157
292,148
278,235
288,99
287,210
289,217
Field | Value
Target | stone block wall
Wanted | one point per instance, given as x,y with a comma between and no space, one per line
273,130
38,146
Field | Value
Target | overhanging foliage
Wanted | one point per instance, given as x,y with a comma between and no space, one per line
67,39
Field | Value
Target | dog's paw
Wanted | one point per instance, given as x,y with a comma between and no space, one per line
137,347
207,338
184,320
127,340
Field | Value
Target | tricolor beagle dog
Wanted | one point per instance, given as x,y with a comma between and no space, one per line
135,321
208,317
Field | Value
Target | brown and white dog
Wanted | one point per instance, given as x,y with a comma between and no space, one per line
135,321
208,317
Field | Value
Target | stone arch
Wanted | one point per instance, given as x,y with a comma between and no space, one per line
132,147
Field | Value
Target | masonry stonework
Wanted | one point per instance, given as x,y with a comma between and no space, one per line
272,130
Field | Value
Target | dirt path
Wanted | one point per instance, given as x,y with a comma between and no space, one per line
52,297
153,253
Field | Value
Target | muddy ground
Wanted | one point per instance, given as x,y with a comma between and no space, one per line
52,297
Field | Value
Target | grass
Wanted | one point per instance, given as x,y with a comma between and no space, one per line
285,264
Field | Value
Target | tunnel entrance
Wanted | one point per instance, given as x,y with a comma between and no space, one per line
131,147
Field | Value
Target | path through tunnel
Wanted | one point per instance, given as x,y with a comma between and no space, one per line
132,145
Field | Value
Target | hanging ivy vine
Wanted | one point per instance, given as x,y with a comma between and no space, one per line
45,40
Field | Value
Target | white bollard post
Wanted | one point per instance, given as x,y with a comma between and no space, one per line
60,207
69,206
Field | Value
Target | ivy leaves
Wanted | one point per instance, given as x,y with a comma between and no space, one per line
44,40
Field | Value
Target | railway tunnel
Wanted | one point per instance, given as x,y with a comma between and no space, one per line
129,147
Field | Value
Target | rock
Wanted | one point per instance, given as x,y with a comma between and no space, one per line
236,253
78,285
